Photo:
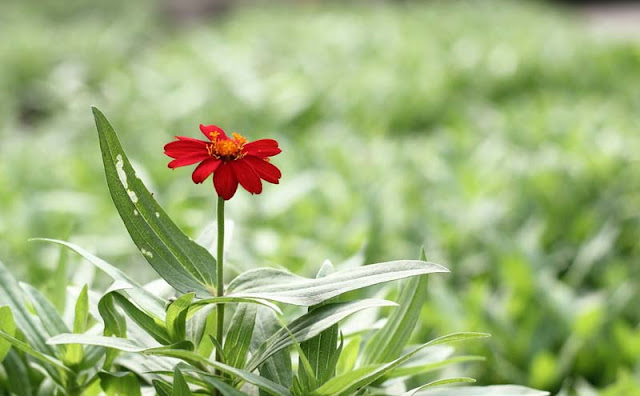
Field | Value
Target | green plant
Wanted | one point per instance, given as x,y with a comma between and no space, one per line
131,336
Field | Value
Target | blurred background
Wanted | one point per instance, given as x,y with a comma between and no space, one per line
504,136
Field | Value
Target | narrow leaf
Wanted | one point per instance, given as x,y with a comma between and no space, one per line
151,325
8,325
180,261
389,342
495,390
180,387
277,367
46,311
30,351
277,285
162,388
366,375
11,295
177,317
75,353
17,368
440,382
238,338
149,302
310,325
119,384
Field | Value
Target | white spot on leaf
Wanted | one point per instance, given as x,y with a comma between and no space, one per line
145,252
122,175
135,212
132,196
157,214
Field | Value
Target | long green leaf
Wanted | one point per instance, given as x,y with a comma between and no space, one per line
180,386
11,295
322,351
349,382
177,317
261,382
46,311
115,324
17,368
238,338
151,325
162,387
121,344
310,325
388,342
149,302
34,353
495,390
406,370
8,325
277,367
235,300
119,384
285,287
440,382
183,263
75,353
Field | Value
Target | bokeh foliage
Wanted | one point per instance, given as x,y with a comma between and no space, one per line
502,135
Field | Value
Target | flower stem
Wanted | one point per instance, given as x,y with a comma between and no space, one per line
220,279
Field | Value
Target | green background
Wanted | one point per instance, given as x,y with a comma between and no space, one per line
502,136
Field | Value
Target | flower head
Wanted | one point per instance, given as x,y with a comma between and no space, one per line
232,160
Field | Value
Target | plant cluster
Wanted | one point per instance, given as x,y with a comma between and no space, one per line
133,339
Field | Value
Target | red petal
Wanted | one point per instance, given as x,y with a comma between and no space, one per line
184,148
264,169
225,181
188,160
203,170
207,130
247,177
262,148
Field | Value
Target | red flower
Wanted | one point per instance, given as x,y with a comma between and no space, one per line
231,160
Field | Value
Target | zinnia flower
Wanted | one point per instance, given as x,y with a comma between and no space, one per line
231,160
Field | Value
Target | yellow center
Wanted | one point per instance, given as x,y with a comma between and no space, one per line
226,149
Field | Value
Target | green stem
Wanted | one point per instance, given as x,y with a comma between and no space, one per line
220,279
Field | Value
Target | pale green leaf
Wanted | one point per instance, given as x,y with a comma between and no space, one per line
11,295
406,371
440,382
177,317
75,353
46,311
496,390
261,382
8,325
119,384
366,375
349,355
149,302
277,285
34,353
277,367
388,343
121,344
310,325
239,333
17,368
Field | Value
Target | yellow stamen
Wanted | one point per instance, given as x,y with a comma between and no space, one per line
227,149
